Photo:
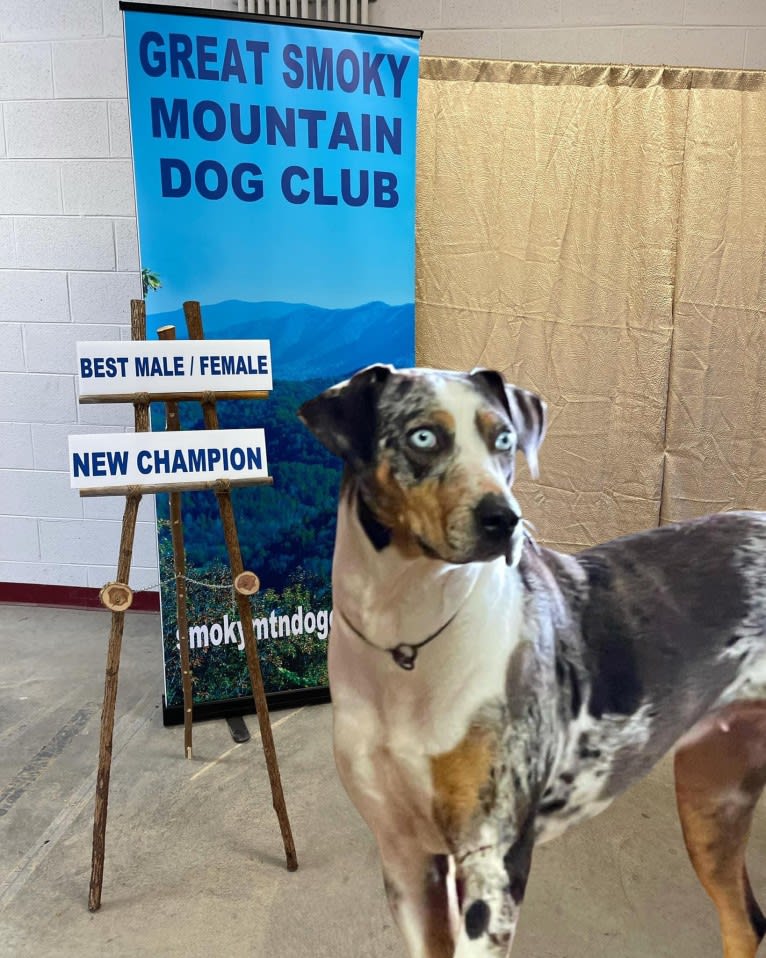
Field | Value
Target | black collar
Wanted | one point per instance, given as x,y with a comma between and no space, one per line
403,654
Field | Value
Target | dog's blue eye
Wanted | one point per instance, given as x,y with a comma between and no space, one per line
504,441
423,439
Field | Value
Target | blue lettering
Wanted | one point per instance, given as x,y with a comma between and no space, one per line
342,133
248,190
219,120
112,363
196,460
276,124
312,118
179,464
102,367
166,123
364,188
293,76
254,458
397,72
232,62
347,57
117,462
156,61
98,463
384,185
143,462
252,135
182,185
319,71
371,74
320,197
152,60
257,48
287,188
180,50
206,58
384,134
81,464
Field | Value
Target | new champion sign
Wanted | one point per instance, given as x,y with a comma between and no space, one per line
156,461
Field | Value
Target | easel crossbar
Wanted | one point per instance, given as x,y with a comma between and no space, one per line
191,486
177,396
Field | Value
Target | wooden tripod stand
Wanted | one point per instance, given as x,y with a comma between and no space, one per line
117,596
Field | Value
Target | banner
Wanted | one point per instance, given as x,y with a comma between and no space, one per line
275,182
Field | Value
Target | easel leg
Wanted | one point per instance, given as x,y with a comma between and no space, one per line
107,712
179,562
256,680
173,423
194,325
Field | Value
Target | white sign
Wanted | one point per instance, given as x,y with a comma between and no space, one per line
156,459
160,367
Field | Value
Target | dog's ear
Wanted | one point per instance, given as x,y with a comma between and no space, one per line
527,412
343,418
530,417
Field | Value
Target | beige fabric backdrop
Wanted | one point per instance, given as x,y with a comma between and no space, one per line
598,235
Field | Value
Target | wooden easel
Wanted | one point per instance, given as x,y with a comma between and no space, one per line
118,596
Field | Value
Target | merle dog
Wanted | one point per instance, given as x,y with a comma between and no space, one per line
488,693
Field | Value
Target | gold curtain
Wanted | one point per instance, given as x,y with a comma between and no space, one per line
598,235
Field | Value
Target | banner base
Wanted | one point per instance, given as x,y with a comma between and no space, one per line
291,698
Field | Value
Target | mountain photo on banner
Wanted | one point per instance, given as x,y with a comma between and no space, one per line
286,530
289,525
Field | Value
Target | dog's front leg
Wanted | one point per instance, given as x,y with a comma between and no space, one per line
491,882
417,886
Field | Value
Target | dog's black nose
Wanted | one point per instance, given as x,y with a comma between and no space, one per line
495,517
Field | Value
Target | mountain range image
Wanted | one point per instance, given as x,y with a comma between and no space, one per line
308,342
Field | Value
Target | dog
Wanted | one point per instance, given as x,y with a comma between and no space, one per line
488,693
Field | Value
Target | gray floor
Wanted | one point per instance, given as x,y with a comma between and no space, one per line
194,859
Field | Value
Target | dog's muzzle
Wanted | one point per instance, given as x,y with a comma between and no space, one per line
495,521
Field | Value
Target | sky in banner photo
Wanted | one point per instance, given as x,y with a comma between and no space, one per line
273,163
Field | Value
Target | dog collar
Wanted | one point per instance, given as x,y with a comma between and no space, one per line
404,654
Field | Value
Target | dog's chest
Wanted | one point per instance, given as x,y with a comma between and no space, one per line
392,725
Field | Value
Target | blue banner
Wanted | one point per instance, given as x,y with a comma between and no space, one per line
275,182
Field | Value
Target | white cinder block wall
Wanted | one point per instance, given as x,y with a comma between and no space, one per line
68,249
712,33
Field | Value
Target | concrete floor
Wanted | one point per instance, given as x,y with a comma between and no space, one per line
194,864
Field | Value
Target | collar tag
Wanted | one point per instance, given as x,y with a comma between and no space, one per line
404,655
